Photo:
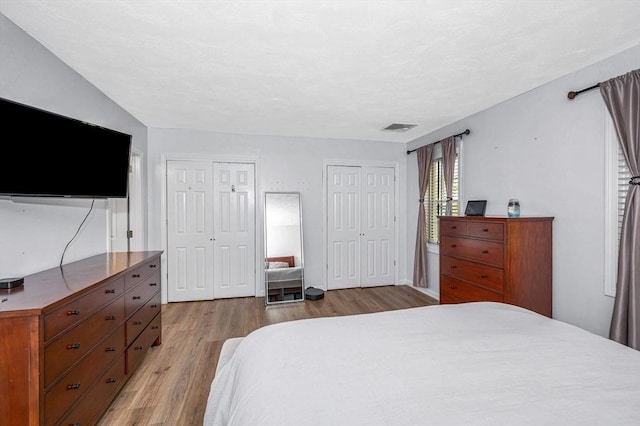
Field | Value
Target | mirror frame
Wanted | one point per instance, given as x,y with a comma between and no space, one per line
266,254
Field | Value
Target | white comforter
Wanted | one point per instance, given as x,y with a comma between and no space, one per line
469,364
284,274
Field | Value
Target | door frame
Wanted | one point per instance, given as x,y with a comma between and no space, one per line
358,163
135,214
258,225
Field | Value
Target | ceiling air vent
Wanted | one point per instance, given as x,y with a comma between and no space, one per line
399,127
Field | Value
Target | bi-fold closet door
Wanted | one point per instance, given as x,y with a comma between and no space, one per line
360,226
210,230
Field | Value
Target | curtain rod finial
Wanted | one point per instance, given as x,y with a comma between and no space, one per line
571,95
466,132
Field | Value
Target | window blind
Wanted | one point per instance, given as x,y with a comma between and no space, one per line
624,176
435,203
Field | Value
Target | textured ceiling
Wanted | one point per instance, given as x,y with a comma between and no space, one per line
328,69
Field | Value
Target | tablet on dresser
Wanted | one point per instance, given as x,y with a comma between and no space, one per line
475,208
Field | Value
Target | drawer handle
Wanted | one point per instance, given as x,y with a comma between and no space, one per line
452,246
137,322
454,227
74,424
153,284
73,346
73,386
154,327
138,348
74,312
155,305
485,251
483,276
452,267
110,349
111,380
110,291
110,317
136,275
136,298
452,287
153,265
485,229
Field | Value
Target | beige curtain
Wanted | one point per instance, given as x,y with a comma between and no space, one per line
622,97
448,168
424,155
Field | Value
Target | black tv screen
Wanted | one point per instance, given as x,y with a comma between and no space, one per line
48,155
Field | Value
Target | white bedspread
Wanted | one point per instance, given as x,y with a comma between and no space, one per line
284,274
469,364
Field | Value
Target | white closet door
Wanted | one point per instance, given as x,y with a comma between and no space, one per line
378,226
343,226
360,226
189,231
234,230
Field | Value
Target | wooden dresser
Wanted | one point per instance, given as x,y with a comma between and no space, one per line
496,259
72,336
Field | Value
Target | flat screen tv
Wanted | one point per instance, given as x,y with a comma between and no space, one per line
49,155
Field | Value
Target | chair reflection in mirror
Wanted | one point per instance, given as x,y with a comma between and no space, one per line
284,261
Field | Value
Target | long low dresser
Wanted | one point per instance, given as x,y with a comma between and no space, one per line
497,259
71,336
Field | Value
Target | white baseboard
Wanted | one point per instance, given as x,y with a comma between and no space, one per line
426,291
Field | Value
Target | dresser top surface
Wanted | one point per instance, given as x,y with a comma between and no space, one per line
45,288
496,218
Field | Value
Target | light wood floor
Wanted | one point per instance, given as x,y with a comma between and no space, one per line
172,385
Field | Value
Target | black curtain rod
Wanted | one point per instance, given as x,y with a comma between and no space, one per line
572,94
459,135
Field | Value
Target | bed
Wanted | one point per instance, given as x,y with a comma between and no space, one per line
284,278
480,363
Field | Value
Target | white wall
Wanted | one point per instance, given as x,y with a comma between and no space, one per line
283,240
35,231
283,164
548,152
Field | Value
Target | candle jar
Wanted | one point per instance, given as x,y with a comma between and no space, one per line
513,208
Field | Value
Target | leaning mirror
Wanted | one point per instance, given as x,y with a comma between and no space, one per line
284,262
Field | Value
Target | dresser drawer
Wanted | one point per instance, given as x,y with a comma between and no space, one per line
140,273
60,354
489,252
465,292
139,295
138,349
97,399
446,299
141,319
78,381
485,276
80,308
453,227
488,230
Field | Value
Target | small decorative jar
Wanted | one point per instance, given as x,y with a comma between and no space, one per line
513,208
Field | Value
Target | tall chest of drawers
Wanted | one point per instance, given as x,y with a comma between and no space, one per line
72,336
497,259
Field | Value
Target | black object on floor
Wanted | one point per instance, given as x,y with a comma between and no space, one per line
8,283
313,293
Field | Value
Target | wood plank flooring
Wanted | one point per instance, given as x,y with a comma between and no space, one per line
172,384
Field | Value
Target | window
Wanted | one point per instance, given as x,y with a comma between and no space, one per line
435,201
617,176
